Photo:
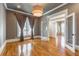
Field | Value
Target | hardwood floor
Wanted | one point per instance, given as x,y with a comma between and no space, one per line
36,47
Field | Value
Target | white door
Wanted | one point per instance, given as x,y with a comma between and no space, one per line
70,24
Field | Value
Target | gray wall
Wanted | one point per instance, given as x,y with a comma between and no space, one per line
2,24
11,25
37,27
74,7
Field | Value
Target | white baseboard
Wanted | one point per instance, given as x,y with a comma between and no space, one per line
67,46
44,38
37,36
2,47
76,46
12,40
17,39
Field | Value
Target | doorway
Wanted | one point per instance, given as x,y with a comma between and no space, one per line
57,31
71,32
64,29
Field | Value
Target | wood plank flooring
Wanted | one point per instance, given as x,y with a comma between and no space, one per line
36,47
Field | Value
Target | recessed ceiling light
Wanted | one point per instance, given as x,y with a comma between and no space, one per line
18,6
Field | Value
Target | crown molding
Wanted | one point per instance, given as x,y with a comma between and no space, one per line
31,14
55,8
5,5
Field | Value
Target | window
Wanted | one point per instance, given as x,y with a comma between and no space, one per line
26,29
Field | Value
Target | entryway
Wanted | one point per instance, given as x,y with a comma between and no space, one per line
57,31
62,28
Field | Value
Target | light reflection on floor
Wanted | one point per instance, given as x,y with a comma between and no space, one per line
38,47
25,49
60,43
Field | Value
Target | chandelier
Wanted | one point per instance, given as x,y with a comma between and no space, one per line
37,10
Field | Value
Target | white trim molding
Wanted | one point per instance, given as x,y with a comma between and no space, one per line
12,40
55,8
5,5
2,47
17,39
67,46
44,39
65,11
31,14
72,46
37,36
